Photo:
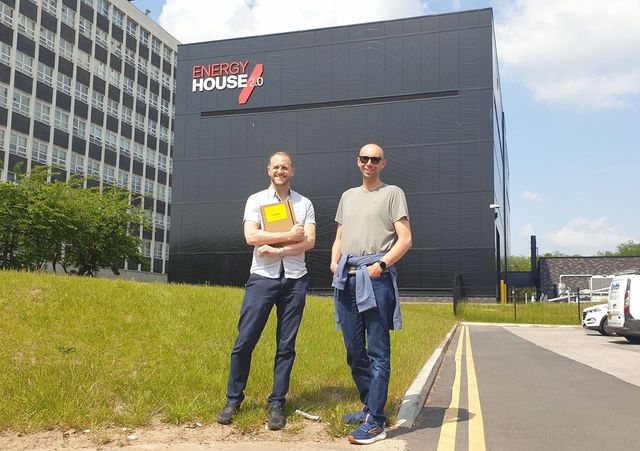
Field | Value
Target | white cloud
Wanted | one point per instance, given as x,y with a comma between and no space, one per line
530,196
585,237
527,230
576,53
206,20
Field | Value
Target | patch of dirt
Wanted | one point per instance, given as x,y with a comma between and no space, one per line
161,434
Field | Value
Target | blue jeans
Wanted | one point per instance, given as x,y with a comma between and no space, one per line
367,341
261,294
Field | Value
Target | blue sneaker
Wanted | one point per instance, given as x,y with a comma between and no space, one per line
355,417
368,432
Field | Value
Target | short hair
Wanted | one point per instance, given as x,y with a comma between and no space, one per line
279,152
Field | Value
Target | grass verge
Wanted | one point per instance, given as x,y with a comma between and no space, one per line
90,353
536,313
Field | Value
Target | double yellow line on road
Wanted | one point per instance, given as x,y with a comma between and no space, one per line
448,431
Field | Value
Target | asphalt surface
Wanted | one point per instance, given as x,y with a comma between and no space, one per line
540,388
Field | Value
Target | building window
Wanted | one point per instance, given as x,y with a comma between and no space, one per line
109,174
39,151
85,27
50,6
27,27
161,192
21,102
142,65
112,108
114,77
138,152
166,80
97,100
103,8
162,162
154,72
93,168
61,121
150,158
6,15
141,93
136,184
153,100
130,56
99,69
45,74
18,144
5,54
140,121
116,48
126,114
84,60
4,96
123,179
82,92
47,38
79,128
164,133
159,220
168,54
68,16
151,128
59,157
125,146
132,28
64,83
148,187
146,248
77,164
144,37
102,38
110,141
66,49
42,112
117,17
24,63
155,46
158,250
127,85
95,134
87,2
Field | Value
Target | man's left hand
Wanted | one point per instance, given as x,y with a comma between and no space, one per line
268,251
374,270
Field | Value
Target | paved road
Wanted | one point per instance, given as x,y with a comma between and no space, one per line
531,388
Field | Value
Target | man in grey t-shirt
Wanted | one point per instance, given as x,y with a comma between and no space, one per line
373,234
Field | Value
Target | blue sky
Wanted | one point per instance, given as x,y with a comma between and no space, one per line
570,75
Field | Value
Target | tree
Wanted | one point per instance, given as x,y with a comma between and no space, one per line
626,249
101,221
519,263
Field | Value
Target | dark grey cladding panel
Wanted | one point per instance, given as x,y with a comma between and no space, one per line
439,148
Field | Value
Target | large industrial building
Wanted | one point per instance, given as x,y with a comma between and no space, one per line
427,89
88,86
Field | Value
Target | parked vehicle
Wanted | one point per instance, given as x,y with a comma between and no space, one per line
595,318
624,307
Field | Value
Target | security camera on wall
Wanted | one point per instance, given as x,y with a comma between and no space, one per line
494,206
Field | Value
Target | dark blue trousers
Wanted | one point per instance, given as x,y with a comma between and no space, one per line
261,294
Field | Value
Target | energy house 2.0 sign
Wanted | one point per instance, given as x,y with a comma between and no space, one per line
228,75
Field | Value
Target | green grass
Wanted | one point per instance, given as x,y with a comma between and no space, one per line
537,313
90,353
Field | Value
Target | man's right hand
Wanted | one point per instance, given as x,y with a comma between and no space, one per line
296,233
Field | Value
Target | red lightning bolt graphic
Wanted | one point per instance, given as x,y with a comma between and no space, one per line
251,84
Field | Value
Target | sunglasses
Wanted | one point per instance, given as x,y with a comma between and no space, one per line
365,159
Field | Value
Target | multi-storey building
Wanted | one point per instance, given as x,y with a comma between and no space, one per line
88,85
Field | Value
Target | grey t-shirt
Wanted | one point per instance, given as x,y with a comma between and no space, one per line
368,219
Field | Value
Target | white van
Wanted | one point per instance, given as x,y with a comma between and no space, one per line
624,307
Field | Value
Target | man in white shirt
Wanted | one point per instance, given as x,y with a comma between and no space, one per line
278,277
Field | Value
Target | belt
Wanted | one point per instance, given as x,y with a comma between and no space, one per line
351,270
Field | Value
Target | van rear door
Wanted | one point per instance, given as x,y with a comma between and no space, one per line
619,287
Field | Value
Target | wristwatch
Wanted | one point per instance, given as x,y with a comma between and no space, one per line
382,264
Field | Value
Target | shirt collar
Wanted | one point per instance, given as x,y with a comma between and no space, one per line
273,194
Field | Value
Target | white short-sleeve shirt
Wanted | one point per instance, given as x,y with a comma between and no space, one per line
294,265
